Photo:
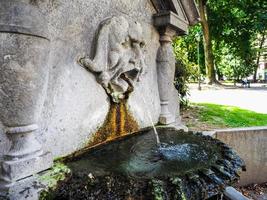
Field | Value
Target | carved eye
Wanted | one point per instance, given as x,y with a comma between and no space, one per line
142,44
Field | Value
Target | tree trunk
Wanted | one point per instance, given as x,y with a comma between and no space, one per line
209,60
258,57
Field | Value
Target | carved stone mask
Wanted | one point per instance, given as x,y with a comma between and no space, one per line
119,59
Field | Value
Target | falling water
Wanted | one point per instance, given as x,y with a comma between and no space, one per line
151,121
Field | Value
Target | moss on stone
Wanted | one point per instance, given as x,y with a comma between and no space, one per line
57,173
51,178
158,189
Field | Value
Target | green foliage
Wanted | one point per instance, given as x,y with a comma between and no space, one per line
185,50
180,82
51,178
234,26
57,173
230,116
179,194
231,66
158,190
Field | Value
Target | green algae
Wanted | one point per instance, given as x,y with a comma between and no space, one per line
51,178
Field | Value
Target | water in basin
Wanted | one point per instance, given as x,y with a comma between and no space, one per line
140,156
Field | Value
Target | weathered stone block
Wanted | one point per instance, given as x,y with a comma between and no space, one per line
14,170
25,189
23,84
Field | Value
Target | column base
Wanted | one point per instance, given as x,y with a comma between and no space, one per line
13,170
177,124
166,119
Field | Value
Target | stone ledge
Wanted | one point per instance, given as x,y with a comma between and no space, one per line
251,144
254,128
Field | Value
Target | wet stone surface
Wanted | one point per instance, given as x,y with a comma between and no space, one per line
184,166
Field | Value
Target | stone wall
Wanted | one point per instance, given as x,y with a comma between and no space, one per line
250,144
75,104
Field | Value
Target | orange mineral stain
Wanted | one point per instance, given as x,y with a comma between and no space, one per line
122,112
118,122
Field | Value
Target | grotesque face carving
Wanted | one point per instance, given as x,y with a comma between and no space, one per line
118,60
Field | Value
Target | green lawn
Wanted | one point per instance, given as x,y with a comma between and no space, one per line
229,116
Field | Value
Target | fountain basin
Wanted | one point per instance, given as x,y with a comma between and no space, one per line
187,165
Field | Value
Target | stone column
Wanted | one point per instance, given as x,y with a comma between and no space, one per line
23,83
169,24
165,69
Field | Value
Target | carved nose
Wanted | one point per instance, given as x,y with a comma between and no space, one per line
132,61
135,44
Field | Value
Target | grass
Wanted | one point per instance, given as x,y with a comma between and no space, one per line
229,116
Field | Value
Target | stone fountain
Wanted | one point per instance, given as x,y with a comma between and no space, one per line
186,166
73,77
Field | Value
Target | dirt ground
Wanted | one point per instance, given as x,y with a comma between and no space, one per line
253,98
255,191
191,120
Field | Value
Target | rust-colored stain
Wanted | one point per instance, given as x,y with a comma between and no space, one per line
118,122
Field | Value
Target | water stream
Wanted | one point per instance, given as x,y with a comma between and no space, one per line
151,121
168,151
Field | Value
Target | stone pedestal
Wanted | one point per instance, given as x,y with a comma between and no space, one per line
23,80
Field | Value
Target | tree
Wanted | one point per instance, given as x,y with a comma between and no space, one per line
259,53
209,61
235,25
231,66
230,29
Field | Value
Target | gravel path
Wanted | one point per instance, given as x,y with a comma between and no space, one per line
254,98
